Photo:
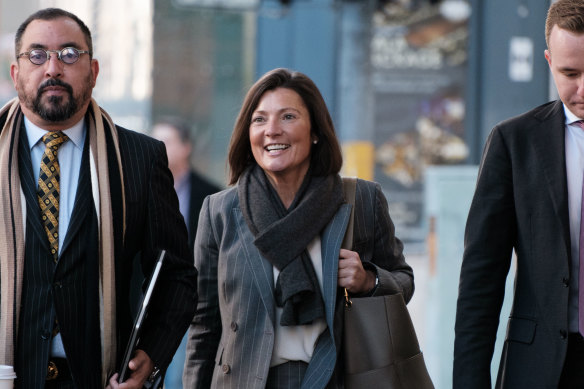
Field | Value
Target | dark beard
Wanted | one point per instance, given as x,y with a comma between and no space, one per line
54,110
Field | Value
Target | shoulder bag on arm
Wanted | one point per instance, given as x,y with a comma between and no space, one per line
380,346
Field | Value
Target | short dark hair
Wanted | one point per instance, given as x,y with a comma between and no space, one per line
52,14
567,15
182,128
326,156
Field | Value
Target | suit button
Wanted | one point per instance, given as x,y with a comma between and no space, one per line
233,326
566,281
46,335
563,334
226,369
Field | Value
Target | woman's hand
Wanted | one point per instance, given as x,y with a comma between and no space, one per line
141,366
352,275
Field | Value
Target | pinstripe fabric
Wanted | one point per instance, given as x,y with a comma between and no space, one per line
232,334
288,375
69,289
153,222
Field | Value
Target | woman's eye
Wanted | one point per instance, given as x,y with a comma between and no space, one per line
288,116
257,119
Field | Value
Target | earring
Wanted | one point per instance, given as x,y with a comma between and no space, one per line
315,141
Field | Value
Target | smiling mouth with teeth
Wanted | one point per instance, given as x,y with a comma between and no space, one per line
276,147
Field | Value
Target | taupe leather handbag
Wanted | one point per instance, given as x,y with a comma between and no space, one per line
380,346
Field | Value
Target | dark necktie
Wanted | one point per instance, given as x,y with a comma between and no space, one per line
48,189
580,123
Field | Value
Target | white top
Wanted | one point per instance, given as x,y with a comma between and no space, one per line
296,343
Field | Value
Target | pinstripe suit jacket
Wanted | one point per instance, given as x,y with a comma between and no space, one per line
69,291
232,334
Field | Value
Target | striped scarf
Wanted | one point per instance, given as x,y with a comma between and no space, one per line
13,222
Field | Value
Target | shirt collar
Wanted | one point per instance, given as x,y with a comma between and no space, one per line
570,117
182,181
35,133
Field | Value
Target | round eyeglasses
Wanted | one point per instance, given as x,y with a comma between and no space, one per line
68,55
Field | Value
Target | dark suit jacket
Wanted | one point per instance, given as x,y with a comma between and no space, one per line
232,334
69,289
200,188
521,204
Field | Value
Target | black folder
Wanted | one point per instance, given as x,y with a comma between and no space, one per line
142,313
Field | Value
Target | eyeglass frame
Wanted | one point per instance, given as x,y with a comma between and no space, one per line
58,52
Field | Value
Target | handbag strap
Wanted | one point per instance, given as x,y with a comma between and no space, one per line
349,189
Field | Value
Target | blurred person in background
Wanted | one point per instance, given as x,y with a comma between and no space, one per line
191,189
269,251
190,186
528,199
81,198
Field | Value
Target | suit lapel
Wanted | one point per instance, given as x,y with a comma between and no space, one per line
83,198
325,353
261,268
29,188
331,241
550,145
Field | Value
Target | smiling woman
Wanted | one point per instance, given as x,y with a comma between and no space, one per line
268,249
281,140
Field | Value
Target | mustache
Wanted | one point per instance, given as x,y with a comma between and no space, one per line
55,82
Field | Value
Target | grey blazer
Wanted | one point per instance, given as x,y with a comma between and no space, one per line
521,205
231,337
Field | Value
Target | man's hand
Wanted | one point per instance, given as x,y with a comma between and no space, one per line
141,366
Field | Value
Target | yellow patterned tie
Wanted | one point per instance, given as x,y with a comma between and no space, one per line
48,189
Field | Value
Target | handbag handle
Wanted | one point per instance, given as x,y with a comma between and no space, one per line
349,189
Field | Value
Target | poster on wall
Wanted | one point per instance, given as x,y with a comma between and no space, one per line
419,65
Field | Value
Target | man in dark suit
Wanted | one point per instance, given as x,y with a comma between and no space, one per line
529,199
190,186
191,189
81,198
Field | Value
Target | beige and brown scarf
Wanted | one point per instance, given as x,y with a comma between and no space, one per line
13,222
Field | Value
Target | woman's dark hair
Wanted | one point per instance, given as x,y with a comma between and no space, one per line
52,14
326,156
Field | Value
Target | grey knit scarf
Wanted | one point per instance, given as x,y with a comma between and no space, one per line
282,235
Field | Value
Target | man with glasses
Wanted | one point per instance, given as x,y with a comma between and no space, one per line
81,198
